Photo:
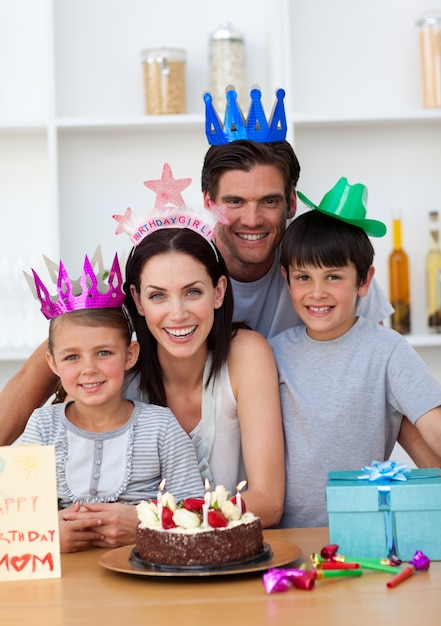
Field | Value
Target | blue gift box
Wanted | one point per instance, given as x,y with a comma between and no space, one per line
376,518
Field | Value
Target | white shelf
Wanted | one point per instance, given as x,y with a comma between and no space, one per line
424,341
14,357
196,121
418,116
147,122
22,126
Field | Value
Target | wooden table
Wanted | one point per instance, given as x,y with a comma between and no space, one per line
88,593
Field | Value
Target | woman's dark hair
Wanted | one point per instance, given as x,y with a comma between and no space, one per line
320,240
244,155
187,242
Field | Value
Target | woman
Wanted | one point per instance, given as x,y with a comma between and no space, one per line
219,381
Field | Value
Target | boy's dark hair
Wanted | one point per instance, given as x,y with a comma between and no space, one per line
244,155
320,240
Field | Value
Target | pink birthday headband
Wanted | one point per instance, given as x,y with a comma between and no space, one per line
90,291
170,211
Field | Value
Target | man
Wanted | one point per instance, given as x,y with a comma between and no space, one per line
256,180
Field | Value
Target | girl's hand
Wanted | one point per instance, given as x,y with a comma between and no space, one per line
77,534
114,523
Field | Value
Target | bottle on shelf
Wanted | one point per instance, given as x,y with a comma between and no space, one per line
399,283
433,275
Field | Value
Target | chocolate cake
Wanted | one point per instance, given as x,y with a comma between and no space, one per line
223,534
210,546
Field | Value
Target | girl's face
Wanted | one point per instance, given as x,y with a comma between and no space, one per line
91,361
178,300
325,298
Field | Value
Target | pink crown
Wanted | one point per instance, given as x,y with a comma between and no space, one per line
88,292
170,211
255,128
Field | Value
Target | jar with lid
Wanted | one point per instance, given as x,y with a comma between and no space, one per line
164,80
227,65
429,27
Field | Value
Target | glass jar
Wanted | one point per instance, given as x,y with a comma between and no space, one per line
227,65
164,80
429,27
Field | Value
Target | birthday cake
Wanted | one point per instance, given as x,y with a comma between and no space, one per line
197,532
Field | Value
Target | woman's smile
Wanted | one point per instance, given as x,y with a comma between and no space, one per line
181,333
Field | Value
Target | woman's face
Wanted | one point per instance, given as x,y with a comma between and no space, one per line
178,301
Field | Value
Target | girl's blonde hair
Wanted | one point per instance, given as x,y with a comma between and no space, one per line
110,318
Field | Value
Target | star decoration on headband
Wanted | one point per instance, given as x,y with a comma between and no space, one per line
168,189
170,211
125,222
218,212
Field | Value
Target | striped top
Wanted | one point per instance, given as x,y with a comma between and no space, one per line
126,464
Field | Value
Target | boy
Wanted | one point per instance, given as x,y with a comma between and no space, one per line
345,381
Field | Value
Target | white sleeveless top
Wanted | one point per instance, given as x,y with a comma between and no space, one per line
216,438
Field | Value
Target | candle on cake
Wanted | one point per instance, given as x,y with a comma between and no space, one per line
159,499
239,487
206,504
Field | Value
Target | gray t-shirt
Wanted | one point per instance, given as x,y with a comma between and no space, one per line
342,405
266,306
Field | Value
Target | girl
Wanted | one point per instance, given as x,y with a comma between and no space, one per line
108,449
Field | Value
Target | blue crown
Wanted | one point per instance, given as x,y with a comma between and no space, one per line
256,127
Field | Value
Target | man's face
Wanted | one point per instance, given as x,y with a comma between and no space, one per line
257,211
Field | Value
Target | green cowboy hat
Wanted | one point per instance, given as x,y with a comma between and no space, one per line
347,203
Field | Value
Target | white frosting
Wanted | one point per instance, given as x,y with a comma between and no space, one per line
147,521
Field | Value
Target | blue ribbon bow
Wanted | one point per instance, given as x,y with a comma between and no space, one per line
384,471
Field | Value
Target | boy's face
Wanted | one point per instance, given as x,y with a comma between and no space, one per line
325,298
257,210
